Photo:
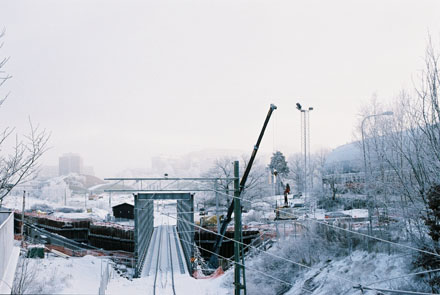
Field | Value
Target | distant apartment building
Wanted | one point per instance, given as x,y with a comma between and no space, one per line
70,163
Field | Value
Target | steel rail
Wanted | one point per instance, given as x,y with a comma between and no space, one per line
157,260
171,260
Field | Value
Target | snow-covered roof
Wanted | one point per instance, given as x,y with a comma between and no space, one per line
125,203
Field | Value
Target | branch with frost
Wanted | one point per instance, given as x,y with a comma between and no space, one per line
22,162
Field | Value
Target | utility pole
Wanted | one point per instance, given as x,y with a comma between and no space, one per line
239,270
305,151
22,219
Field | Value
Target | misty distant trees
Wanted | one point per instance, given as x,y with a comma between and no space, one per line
18,154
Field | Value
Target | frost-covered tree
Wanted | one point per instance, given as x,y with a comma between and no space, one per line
403,160
223,168
296,169
19,155
278,163
319,159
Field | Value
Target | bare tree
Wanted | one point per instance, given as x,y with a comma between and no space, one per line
21,161
223,168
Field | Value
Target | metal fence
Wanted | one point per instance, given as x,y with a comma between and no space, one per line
185,219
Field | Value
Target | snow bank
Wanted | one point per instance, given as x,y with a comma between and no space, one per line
54,275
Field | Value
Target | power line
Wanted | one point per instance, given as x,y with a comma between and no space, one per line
358,233
376,238
246,266
355,285
362,288
404,276
270,254
328,225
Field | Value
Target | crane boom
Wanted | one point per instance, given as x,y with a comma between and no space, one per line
213,261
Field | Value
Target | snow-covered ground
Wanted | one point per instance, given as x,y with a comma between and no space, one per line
83,275
360,267
184,285
55,275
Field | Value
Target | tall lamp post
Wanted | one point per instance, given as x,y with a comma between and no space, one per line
388,113
306,136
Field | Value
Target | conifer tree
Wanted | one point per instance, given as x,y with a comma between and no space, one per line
278,163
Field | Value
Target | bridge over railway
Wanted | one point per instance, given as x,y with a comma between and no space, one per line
165,251
166,248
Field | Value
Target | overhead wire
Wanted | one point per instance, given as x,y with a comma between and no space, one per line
328,225
354,232
375,238
371,237
247,266
404,276
229,259
355,284
270,254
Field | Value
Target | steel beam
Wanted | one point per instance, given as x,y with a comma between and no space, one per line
171,178
155,190
164,196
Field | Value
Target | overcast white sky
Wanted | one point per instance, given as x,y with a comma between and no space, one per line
121,81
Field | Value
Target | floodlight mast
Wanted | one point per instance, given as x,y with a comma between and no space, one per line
213,261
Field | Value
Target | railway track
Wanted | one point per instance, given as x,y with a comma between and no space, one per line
164,270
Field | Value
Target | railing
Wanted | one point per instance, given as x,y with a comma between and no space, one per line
106,272
6,241
185,219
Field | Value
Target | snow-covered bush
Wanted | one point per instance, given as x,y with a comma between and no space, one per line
252,216
56,190
309,249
